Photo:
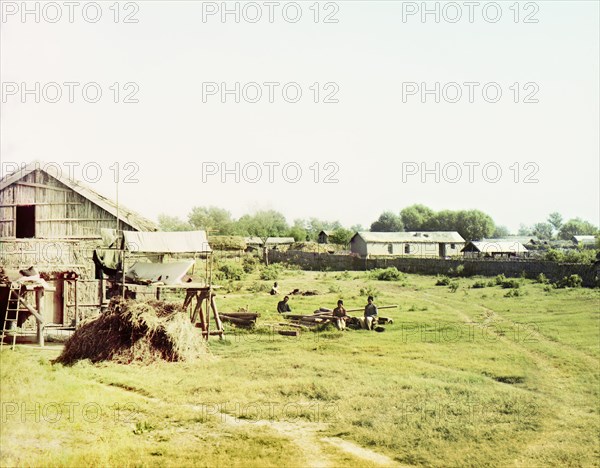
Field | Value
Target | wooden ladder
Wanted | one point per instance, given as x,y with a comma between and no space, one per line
12,315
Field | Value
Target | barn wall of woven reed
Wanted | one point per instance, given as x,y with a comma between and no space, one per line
60,212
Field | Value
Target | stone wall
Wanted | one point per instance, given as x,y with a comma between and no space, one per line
434,266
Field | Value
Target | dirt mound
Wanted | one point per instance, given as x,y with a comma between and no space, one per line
136,331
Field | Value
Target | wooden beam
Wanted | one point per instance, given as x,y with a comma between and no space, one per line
31,309
72,220
39,303
40,204
49,187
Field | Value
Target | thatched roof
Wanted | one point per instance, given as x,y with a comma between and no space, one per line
126,215
270,240
449,237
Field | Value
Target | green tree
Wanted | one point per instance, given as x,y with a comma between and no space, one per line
577,227
445,220
315,226
474,224
298,231
542,230
264,224
341,236
524,230
500,232
172,223
212,219
416,217
556,220
387,222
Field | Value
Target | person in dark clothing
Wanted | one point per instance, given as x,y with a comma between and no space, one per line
370,319
283,306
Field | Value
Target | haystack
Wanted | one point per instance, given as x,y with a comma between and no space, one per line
135,331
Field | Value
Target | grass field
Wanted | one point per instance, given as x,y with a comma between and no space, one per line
464,378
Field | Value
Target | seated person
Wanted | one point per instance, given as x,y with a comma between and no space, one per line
340,315
370,319
274,289
283,306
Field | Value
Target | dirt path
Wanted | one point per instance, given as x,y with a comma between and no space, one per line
359,451
306,435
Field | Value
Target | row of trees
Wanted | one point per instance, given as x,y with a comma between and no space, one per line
470,224
554,228
265,223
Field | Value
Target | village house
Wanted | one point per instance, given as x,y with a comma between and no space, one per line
440,244
585,241
493,249
323,237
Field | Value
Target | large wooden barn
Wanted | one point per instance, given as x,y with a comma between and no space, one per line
50,220
54,224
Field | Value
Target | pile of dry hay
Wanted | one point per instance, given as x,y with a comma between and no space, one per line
136,331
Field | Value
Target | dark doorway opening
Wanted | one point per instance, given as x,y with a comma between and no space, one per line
25,222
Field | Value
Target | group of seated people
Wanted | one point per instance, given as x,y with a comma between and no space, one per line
367,322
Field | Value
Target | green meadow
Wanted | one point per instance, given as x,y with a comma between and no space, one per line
463,377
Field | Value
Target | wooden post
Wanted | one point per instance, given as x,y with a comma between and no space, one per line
75,299
213,306
39,305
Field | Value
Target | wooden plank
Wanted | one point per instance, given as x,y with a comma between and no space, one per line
73,220
39,302
40,204
49,187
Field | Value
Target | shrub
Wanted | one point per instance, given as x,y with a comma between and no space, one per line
500,279
442,281
513,293
230,271
258,287
334,288
460,269
479,284
369,290
554,255
387,274
233,286
542,279
250,263
454,286
511,284
573,281
271,272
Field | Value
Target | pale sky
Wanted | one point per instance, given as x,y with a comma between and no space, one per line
369,141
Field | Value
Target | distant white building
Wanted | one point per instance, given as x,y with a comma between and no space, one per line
584,240
493,248
407,244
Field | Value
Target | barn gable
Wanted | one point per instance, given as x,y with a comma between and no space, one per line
40,205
